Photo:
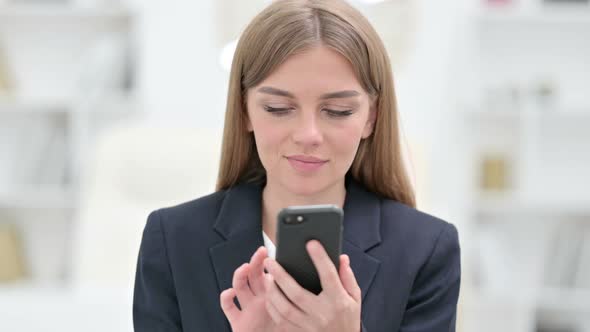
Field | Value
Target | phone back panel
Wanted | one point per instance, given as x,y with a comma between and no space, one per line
320,222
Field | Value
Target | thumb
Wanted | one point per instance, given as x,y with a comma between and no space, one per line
348,279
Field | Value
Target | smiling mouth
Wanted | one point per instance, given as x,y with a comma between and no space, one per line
307,159
306,164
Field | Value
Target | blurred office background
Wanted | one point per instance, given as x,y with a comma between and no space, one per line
110,109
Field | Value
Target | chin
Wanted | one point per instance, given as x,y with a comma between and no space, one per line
306,186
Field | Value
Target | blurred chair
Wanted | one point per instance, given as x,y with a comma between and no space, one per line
135,170
488,313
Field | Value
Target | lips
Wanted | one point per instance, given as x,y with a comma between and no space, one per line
307,159
306,164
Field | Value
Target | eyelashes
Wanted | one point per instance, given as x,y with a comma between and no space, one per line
338,113
280,111
277,110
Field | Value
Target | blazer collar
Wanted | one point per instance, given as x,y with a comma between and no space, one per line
239,222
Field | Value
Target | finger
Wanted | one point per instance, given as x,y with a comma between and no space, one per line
226,299
285,313
284,307
240,285
281,325
348,279
299,296
329,277
273,313
256,273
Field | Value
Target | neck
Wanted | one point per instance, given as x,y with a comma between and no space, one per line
275,197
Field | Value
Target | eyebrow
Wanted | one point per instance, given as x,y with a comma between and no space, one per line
331,95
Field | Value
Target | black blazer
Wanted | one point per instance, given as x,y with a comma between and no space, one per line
407,263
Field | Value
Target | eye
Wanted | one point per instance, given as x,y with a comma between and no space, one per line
337,114
278,111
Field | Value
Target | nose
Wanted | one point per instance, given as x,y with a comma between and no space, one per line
307,131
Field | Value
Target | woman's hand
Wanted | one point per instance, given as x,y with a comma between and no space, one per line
248,286
293,308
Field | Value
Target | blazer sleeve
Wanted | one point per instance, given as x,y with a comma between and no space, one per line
155,306
432,305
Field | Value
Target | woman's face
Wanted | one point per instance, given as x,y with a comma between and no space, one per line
308,117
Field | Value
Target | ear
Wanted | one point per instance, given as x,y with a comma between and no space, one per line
370,124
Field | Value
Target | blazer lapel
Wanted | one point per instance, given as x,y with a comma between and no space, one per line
362,219
240,223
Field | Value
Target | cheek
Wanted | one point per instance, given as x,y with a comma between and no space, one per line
346,140
269,138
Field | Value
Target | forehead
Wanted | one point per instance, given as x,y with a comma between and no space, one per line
314,72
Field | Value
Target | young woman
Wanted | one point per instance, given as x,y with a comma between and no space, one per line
311,119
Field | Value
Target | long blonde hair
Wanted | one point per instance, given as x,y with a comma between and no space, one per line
289,26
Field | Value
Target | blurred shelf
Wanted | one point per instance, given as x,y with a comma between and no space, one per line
563,299
19,105
28,286
37,198
550,15
116,104
514,115
511,204
59,308
62,12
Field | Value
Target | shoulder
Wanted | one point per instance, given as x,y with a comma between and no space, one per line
413,223
198,212
416,235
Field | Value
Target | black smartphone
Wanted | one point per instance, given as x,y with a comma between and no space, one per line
299,224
